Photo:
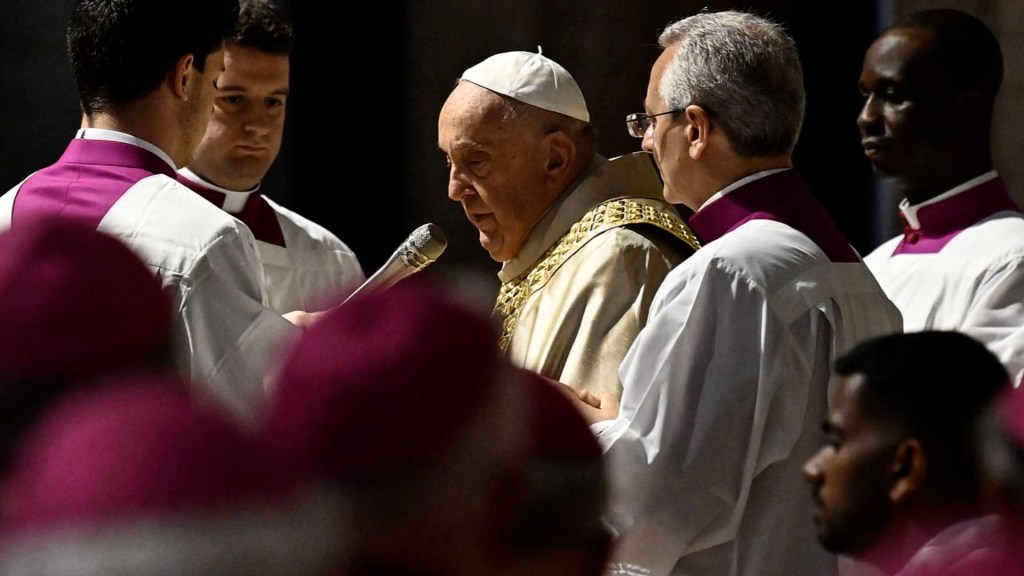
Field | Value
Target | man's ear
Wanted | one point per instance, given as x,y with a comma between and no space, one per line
561,152
908,470
973,109
698,130
180,75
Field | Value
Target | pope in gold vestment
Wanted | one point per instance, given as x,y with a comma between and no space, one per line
577,294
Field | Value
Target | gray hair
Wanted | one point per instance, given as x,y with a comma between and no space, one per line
546,121
745,71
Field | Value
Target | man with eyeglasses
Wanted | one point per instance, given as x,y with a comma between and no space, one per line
583,241
930,83
726,386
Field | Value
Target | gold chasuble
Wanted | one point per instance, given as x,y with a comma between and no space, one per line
578,293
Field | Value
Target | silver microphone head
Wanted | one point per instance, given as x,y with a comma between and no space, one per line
424,246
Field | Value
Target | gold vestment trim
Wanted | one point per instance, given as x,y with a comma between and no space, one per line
603,217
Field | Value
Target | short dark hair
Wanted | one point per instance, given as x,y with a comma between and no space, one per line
965,46
262,25
120,50
932,385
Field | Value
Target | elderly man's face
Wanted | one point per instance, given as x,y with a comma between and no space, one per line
849,475
496,168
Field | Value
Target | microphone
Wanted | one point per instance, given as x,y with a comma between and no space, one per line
418,251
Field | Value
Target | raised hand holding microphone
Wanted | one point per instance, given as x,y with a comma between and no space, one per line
418,251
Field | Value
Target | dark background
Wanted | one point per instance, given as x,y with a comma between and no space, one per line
360,154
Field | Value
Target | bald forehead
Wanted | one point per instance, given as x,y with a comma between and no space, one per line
474,116
469,103
654,101
912,51
919,41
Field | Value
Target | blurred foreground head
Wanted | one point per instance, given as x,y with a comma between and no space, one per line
400,403
560,529
77,304
1001,434
989,543
132,477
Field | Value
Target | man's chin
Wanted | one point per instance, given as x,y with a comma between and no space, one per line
497,250
249,167
884,171
485,243
829,542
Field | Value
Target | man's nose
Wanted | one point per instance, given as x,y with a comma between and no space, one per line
812,468
458,189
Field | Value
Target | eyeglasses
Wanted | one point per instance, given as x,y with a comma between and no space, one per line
639,123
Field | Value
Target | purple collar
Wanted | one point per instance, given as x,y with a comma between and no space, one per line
257,214
782,197
90,177
112,153
942,221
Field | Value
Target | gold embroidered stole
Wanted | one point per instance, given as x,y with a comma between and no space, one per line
610,214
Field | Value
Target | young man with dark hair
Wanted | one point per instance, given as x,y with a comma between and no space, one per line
306,266
900,462
146,73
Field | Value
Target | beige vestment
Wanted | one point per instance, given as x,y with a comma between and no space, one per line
578,292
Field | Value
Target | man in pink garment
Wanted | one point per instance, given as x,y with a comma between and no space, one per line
930,82
146,73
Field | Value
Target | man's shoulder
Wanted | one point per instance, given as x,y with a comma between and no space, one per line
883,251
629,241
762,236
970,547
1002,229
297,227
763,250
995,238
287,216
160,205
166,189
652,220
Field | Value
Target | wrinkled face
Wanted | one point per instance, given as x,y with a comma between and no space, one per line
905,122
666,139
849,475
244,133
496,168
199,104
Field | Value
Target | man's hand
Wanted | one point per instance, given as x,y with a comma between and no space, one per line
594,407
597,407
302,319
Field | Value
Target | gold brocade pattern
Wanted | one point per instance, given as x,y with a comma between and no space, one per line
611,214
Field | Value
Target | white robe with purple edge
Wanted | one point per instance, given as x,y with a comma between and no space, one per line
227,341
727,385
305,266
960,266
